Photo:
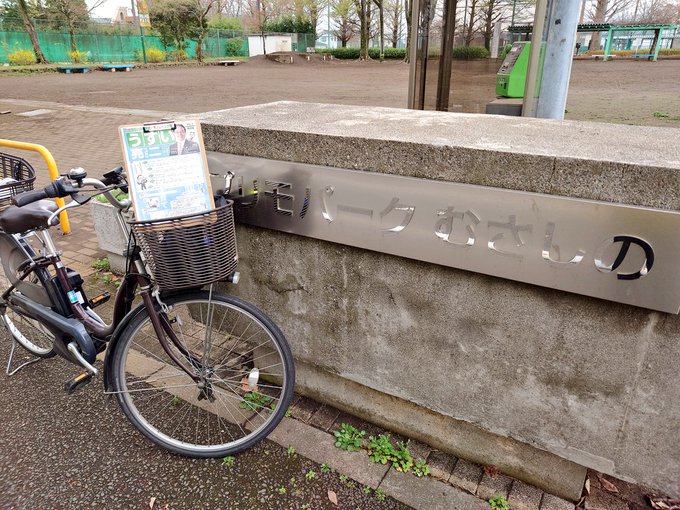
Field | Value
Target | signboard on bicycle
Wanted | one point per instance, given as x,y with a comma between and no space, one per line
167,169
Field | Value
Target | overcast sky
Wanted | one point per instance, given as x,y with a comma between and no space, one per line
108,9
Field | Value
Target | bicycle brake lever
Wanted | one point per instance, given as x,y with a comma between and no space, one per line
80,199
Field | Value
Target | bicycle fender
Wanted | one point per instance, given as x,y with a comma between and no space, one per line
111,348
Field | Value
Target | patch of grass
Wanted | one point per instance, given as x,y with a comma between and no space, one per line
380,495
349,437
282,490
228,461
290,451
403,461
498,502
325,468
310,475
661,115
102,264
254,401
421,468
366,489
380,449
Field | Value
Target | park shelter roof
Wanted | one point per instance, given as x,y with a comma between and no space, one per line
611,29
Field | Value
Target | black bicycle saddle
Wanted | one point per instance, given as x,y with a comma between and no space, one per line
15,220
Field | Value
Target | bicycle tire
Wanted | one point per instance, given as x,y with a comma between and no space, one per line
247,381
29,333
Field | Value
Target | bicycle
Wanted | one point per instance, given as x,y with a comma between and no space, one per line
198,372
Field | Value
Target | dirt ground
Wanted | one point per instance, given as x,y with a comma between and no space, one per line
629,92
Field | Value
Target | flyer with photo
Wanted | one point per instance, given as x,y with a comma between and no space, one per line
167,169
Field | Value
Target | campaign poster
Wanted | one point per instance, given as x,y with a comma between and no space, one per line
167,169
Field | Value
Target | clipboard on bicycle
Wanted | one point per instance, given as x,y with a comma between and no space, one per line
167,170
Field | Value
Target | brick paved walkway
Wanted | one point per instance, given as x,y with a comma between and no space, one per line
76,137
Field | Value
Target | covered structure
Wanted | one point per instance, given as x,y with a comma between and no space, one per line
652,54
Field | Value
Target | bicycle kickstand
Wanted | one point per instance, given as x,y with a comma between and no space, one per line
9,361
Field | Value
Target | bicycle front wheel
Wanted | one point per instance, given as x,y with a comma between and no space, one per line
242,368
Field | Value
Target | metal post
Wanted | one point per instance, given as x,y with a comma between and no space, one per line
531,86
415,24
512,21
656,44
608,44
562,24
141,29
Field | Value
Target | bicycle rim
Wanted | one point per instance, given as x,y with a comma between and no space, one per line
245,372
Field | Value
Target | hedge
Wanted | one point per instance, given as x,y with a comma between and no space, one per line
400,53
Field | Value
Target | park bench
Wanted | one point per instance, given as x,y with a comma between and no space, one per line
74,69
648,56
117,67
229,62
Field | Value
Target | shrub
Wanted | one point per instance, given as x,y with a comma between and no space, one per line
155,55
77,57
234,46
468,52
21,58
177,55
225,23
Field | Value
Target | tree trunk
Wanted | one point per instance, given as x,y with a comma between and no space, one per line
30,29
72,36
199,47
600,11
471,24
397,23
408,8
382,30
365,28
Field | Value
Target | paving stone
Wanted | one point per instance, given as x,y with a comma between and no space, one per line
324,417
303,408
418,450
491,486
319,447
466,475
428,493
551,502
441,464
524,497
369,428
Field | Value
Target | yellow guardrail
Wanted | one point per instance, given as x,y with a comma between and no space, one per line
51,167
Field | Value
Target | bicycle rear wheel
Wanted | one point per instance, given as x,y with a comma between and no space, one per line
241,359
28,332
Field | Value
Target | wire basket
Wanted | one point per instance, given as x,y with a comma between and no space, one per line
189,251
18,169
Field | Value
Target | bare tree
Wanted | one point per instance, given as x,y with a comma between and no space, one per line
30,29
394,12
363,8
344,16
203,9
73,12
470,29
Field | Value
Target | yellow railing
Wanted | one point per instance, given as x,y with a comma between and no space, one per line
51,167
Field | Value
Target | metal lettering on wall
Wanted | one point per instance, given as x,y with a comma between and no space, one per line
620,253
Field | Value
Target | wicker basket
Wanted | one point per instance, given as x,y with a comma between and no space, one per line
189,251
19,170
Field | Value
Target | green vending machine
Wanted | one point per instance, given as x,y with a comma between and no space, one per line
512,75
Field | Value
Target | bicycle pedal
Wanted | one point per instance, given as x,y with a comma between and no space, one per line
77,382
100,299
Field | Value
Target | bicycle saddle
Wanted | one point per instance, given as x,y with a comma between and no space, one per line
15,220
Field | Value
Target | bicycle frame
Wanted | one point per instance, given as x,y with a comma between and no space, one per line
97,333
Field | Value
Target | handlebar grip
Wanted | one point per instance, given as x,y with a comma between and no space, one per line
29,197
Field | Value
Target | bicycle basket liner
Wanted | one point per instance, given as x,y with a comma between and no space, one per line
17,177
189,251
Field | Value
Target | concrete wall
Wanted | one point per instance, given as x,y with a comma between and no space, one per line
274,43
535,381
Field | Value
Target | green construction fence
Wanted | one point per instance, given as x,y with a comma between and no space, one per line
114,48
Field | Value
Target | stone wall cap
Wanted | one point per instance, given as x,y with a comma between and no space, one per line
638,145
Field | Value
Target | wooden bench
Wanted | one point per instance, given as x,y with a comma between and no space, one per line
229,62
648,56
117,67
74,69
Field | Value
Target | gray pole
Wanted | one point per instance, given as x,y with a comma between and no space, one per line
562,23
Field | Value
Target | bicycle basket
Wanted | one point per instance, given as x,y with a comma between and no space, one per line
189,251
22,174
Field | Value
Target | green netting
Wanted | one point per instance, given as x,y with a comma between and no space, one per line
118,48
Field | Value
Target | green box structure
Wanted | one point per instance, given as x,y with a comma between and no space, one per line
512,75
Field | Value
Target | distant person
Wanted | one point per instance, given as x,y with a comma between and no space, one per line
578,47
182,146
